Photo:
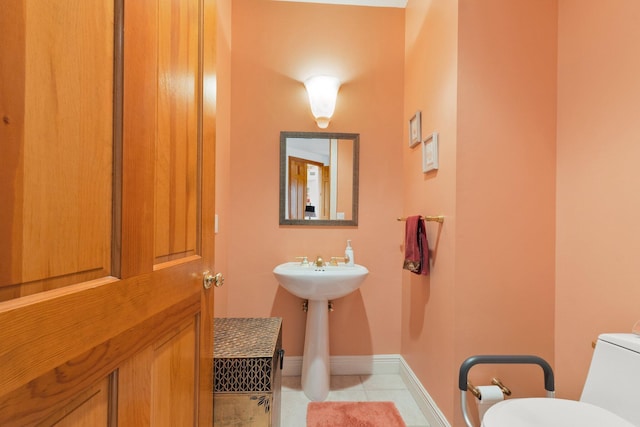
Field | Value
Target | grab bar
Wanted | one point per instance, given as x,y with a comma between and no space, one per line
506,359
549,383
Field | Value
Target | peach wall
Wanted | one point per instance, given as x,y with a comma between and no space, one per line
488,86
598,200
505,189
223,145
428,310
506,168
276,45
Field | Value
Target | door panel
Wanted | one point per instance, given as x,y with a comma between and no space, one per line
326,192
176,184
68,97
12,106
297,187
57,231
90,408
173,375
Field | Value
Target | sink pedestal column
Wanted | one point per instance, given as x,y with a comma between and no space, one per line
315,360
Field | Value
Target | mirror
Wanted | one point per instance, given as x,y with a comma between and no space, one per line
319,178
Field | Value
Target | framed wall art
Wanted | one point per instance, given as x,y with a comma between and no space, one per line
430,153
415,129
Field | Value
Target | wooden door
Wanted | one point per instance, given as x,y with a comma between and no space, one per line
297,187
106,212
326,193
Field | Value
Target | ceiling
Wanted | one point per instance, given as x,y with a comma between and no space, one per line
377,3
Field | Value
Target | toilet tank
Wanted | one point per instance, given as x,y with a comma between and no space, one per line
614,376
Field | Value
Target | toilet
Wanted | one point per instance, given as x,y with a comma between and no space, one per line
609,397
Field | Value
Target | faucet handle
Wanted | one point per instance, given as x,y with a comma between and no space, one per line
304,260
334,260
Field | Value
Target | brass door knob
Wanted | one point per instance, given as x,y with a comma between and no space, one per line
209,279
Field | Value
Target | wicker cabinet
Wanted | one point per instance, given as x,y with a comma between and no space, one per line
248,359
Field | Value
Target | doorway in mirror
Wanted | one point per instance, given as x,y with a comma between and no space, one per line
318,178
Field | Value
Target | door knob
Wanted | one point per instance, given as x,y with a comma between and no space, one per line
209,279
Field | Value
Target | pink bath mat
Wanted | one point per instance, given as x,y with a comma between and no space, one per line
353,414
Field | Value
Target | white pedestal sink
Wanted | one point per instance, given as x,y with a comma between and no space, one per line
318,285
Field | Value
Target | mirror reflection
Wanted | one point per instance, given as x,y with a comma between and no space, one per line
319,178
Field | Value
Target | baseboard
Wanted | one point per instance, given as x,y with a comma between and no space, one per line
426,404
292,366
378,364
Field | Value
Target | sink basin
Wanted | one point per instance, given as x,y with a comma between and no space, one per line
320,283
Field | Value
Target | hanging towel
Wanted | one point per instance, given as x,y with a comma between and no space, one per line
416,247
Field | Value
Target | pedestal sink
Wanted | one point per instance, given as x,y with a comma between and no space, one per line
318,285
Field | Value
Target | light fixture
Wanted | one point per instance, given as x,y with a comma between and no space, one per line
323,92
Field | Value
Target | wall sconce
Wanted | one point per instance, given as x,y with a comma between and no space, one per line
323,92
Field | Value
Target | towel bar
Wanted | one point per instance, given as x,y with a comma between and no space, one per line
439,218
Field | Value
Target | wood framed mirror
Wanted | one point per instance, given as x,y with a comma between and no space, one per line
319,178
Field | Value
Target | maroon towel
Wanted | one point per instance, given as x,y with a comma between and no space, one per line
416,247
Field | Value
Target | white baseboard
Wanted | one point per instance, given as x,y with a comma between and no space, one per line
292,366
378,364
427,405
349,365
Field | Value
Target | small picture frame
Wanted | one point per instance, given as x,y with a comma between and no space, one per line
415,129
430,153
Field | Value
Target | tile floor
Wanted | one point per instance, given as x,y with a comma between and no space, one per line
351,388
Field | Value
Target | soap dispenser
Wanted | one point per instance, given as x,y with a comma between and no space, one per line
348,253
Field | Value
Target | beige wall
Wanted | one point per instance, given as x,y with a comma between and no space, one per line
598,238
276,45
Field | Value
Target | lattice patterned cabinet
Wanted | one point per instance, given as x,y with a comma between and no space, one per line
248,358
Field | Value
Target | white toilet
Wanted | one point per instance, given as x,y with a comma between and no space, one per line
610,397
